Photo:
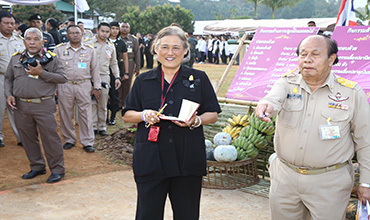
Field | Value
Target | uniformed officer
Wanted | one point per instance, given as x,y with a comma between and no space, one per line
133,59
36,22
81,65
106,53
322,120
10,43
63,31
30,91
86,33
122,59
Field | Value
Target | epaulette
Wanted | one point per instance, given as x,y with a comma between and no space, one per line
288,73
111,42
89,45
87,39
15,53
60,44
51,53
346,82
20,36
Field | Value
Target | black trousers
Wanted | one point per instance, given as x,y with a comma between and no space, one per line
210,57
184,193
113,101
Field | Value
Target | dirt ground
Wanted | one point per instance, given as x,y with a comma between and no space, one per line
96,187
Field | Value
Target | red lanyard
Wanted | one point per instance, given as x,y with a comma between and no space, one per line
163,98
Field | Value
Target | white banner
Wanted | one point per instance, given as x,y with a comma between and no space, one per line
82,5
31,2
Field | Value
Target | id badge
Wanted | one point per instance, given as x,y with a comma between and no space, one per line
329,132
81,65
153,133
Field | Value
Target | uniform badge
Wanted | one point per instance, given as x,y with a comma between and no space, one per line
191,82
66,53
295,90
337,106
294,96
338,97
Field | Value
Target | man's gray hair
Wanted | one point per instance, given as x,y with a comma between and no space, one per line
33,30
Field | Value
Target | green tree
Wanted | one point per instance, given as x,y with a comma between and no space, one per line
255,2
366,15
276,4
153,19
116,8
23,12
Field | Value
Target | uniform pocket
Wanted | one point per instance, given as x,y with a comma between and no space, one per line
146,159
291,113
194,153
337,117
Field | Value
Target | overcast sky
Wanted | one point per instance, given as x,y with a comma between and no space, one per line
359,3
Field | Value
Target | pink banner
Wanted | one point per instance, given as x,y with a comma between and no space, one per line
354,57
271,54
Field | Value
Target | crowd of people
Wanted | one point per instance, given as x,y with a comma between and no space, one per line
87,73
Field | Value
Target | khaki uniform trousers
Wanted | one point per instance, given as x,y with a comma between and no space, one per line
3,105
31,118
125,87
70,95
99,109
295,196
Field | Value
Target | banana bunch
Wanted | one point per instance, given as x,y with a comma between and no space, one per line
248,131
245,148
265,127
259,141
233,131
238,120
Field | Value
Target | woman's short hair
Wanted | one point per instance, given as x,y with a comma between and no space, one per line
170,31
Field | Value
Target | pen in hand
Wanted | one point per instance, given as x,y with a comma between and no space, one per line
159,112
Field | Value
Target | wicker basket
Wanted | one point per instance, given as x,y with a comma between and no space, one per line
231,175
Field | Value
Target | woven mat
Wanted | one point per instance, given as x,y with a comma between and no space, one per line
262,188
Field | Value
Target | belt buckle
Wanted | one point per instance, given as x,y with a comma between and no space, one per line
29,100
74,82
302,171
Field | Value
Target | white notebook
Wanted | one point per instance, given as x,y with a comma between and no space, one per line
187,110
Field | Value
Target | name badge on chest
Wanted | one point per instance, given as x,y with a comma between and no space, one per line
81,65
329,131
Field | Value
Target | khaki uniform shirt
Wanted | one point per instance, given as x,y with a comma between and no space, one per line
7,48
80,63
107,57
20,85
302,112
133,50
87,35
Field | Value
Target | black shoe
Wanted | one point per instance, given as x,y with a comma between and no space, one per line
103,133
68,146
89,148
20,144
112,122
33,174
2,143
95,132
55,177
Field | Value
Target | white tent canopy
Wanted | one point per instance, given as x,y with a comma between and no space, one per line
30,2
250,25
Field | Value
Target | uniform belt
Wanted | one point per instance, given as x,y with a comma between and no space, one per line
36,100
314,171
78,81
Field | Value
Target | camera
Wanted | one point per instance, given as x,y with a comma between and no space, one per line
32,61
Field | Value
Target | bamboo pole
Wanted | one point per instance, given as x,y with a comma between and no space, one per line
241,42
236,101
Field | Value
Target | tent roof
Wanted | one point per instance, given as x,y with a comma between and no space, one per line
251,25
64,6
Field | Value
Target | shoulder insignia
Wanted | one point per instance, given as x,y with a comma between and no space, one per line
51,53
20,36
288,73
61,44
346,82
15,53
87,39
89,45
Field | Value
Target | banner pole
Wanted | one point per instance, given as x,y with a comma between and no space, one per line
241,42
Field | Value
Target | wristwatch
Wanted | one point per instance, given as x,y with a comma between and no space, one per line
127,74
118,78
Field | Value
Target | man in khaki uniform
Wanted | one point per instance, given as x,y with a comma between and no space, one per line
322,120
133,60
30,92
10,43
106,53
81,65
86,33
